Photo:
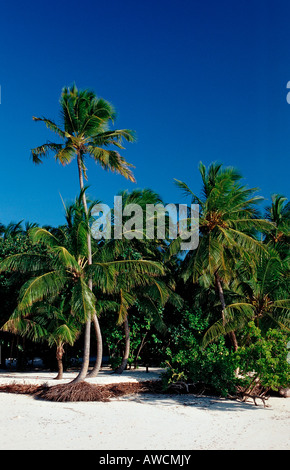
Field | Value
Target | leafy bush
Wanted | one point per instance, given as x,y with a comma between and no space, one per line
211,369
263,360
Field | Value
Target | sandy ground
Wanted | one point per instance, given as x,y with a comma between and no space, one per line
142,422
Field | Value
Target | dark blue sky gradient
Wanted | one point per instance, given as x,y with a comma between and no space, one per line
197,80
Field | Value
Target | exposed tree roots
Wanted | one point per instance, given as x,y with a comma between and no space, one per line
26,389
84,391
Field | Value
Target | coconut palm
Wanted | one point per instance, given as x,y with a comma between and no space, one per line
85,132
227,225
47,322
262,294
279,214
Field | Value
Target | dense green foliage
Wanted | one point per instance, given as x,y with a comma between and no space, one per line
263,359
210,369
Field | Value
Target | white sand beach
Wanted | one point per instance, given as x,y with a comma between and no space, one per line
142,422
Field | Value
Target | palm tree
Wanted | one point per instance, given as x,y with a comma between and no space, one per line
127,291
13,229
262,294
227,224
279,214
85,133
47,322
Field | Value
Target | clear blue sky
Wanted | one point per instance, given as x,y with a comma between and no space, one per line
197,80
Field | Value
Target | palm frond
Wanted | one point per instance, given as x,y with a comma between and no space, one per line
83,301
127,300
52,126
213,333
24,262
111,160
114,137
187,191
46,285
42,235
66,259
43,151
65,154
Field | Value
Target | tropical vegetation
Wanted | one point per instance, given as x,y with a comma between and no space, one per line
215,318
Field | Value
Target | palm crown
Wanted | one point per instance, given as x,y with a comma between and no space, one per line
279,213
85,132
228,221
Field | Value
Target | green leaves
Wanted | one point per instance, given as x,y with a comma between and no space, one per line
85,131
262,359
111,160
41,235
111,276
52,126
24,263
83,301
43,151
47,285
63,270
210,369
232,246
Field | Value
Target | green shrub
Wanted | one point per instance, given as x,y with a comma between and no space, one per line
212,368
263,359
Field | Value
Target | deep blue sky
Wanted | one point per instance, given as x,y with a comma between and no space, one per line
197,80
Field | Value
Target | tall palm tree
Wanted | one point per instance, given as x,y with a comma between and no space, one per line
85,132
227,224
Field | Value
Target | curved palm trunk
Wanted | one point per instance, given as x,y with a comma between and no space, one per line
232,335
94,372
59,355
124,362
86,355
